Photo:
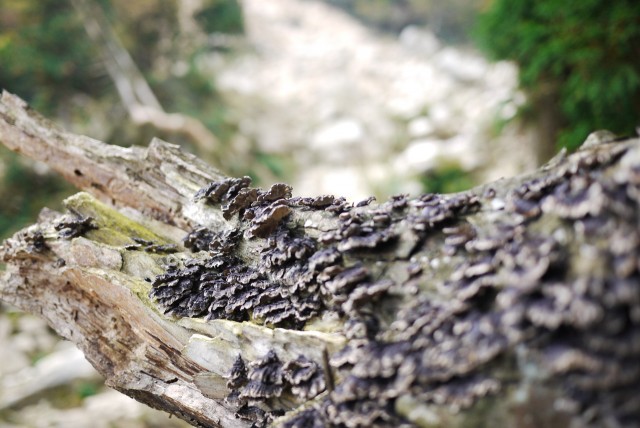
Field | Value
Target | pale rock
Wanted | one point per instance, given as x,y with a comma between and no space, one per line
345,181
419,39
419,156
444,121
420,127
315,78
456,150
405,106
112,405
32,335
468,68
12,357
502,75
341,133
65,364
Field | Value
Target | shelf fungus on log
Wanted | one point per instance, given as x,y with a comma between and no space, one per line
516,303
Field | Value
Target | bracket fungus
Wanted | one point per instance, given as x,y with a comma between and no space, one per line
510,285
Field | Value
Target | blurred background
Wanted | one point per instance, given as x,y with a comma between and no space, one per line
349,97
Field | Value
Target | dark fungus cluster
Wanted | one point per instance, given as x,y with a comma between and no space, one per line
35,241
145,245
297,276
563,286
556,274
256,389
74,225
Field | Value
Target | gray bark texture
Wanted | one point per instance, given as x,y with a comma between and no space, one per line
516,303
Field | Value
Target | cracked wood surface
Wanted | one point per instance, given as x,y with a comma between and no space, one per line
158,181
513,302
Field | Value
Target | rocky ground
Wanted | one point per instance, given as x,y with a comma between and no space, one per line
364,113
357,112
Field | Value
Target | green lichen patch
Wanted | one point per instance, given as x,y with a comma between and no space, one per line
112,227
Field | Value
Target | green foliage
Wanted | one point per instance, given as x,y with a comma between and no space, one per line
86,389
447,178
194,94
23,192
276,165
43,45
221,16
45,57
588,50
144,27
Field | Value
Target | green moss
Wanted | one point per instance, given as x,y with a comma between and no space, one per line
116,230
113,228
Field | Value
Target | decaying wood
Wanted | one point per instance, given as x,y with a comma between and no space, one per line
516,303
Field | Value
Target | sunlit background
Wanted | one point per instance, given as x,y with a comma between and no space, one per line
349,97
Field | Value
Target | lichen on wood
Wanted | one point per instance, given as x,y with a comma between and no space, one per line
515,303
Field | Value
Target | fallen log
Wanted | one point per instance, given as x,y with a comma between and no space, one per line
516,303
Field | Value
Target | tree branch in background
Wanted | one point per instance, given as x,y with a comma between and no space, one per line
515,303
134,91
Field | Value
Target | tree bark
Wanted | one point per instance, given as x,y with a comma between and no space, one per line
516,303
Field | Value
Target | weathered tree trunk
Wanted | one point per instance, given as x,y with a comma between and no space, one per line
515,304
